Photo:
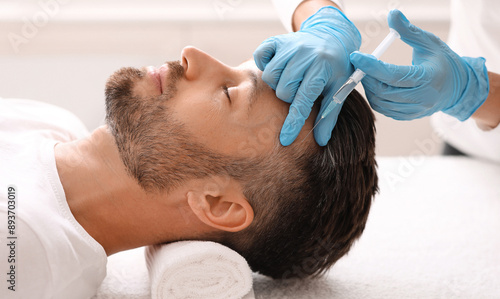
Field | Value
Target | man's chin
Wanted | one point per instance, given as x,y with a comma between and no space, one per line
120,84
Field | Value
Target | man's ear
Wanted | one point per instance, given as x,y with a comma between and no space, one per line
220,203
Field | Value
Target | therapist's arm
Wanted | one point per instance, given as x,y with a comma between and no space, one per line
306,9
487,116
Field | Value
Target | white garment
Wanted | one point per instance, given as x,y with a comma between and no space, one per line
474,32
54,256
286,8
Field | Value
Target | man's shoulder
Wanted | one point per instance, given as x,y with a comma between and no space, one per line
23,115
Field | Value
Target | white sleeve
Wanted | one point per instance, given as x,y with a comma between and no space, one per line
286,8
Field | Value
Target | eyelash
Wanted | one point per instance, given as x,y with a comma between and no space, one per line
226,91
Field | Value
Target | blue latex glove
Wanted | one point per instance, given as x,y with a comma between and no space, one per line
437,80
308,63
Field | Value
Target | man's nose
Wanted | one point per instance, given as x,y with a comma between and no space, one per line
197,63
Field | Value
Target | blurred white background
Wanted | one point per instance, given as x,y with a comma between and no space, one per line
62,51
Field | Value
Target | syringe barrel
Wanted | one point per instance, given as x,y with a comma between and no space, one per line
388,40
357,75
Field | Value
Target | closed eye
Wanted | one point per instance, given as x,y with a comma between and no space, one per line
226,91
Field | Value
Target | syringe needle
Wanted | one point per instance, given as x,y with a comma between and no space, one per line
315,125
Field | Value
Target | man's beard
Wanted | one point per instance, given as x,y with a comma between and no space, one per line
148,138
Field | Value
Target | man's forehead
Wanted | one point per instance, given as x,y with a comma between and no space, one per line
249,63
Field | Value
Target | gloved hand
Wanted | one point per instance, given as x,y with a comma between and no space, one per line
308,63
438,80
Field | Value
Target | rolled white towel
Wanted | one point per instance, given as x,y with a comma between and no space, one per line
197,269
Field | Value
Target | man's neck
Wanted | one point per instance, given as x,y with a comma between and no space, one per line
110,205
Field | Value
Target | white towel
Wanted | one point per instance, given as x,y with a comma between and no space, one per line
197,269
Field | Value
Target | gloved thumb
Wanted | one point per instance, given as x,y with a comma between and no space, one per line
411,34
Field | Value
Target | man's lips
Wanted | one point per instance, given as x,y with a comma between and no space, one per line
163,73
156,75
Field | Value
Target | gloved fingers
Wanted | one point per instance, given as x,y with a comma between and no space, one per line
385,91
294,121
409,95
309,90
394,110
291,78
397,115
373,100
391,74
396,107
273,71
405,116
411,34
265,52
323,130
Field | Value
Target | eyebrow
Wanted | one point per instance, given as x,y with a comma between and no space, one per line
253,89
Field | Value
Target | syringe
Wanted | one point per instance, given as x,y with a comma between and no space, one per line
340,96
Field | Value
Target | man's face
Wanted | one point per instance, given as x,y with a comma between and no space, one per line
228,110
